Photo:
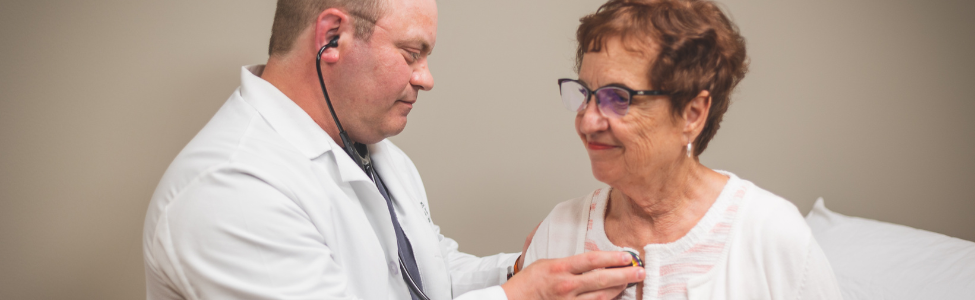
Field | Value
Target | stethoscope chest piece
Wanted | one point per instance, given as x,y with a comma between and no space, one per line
635,261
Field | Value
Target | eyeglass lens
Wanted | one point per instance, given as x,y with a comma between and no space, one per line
613,101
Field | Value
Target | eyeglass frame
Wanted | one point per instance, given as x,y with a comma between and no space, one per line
592,94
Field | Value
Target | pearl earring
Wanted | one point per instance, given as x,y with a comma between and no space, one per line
690,149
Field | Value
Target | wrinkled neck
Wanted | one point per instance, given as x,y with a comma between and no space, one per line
664,208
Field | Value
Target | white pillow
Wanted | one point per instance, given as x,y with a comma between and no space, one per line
878,260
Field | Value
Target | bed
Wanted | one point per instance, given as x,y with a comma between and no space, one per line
878,260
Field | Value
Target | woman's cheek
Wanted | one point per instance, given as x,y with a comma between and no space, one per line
640,135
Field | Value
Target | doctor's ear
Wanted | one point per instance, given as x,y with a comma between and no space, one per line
330,26
330,56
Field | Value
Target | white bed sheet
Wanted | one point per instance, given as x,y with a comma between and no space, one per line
878,260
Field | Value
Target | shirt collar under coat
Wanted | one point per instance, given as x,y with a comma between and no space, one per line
293,123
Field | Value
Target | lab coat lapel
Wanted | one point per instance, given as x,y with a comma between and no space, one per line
348,170
406,197
371,200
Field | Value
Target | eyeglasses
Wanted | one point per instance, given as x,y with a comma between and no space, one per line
613,101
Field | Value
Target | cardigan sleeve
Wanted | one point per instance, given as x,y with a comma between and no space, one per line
819,281
794,265
562,233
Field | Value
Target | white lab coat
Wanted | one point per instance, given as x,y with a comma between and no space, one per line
263,204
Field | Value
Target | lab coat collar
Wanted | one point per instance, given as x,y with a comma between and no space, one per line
293,123
286,117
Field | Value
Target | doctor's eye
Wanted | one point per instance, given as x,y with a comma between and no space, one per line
412,57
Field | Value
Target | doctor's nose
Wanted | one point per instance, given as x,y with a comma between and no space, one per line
422,78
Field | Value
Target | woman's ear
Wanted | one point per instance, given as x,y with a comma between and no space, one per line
696,115
331,22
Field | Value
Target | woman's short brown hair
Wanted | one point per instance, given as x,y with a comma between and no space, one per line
699,49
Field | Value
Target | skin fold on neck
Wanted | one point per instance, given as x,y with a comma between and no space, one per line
662,208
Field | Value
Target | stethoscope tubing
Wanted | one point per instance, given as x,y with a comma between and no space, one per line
350,150
412,283
346,141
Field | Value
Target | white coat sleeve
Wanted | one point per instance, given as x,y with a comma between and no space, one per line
231,235
469,273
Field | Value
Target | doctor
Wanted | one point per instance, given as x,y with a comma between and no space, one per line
264,203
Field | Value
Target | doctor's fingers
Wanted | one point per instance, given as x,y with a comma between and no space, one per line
598,283
581,263
603,294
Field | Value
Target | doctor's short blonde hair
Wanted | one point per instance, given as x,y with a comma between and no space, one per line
292,17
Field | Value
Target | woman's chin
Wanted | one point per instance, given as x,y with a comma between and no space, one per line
604,172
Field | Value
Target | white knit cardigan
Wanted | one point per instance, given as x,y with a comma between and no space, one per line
770,252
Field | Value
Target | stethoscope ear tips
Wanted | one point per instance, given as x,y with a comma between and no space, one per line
333,43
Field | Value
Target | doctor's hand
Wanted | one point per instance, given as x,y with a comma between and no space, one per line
576,277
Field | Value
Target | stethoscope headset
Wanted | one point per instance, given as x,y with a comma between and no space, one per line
364,162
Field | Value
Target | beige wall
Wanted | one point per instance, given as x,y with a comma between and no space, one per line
866,103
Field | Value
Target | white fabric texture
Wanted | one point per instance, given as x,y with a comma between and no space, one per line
263,204
768,253
878,260
671,266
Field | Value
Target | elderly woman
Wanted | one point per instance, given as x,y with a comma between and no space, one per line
654,81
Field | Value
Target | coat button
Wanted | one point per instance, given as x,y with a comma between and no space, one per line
393,268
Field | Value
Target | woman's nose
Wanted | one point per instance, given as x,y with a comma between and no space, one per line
591,120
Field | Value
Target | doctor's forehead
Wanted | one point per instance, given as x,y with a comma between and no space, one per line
414,23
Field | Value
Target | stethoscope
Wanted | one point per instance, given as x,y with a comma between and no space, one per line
362,161
635,261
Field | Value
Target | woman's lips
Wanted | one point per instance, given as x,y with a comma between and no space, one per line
598,146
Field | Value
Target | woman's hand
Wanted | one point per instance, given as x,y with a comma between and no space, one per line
581,276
